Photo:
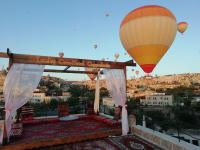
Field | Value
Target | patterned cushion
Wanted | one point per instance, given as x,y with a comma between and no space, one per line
17,129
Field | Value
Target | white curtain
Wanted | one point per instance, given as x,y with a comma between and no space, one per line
96,101
20,82
116,84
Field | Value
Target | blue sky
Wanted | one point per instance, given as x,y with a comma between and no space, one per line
46,27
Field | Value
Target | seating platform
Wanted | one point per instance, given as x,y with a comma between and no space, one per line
52,131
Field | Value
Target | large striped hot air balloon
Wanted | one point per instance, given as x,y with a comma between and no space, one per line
147,33
182,26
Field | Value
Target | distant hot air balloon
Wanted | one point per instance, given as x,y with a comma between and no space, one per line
107,14
61,54
91,76
147,33
137,72
125,53
95,46
132,69
182,26
116,55
103,59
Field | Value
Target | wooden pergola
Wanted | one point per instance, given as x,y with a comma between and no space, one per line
70,62
67,62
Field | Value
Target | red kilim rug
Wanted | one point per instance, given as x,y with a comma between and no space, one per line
59,129
129,142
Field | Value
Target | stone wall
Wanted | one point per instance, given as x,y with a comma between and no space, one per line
163,141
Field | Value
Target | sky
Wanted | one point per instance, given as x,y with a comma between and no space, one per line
47,27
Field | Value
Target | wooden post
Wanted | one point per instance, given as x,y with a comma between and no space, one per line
125,74
10,58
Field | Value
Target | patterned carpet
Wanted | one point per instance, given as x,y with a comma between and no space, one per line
61,129
129,142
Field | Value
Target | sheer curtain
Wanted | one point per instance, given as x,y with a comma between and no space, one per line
116,84
20,82
96,101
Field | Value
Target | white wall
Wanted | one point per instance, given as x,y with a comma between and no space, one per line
157,100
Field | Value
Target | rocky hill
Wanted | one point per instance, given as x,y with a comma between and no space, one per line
135,87
148,85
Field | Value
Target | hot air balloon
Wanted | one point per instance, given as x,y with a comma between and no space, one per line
147,33
125,53
182,26
137,72
107,14
116,55
91,76
103,59
95,46
132,69
61,54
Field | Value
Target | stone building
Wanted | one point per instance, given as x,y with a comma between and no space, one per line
157,99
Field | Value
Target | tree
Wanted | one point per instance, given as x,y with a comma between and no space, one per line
185,116
73,101
196,106
104,92
133,105
53,104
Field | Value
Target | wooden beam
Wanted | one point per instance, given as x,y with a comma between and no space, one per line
4,55
10,55
129,63
57,61
70,71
